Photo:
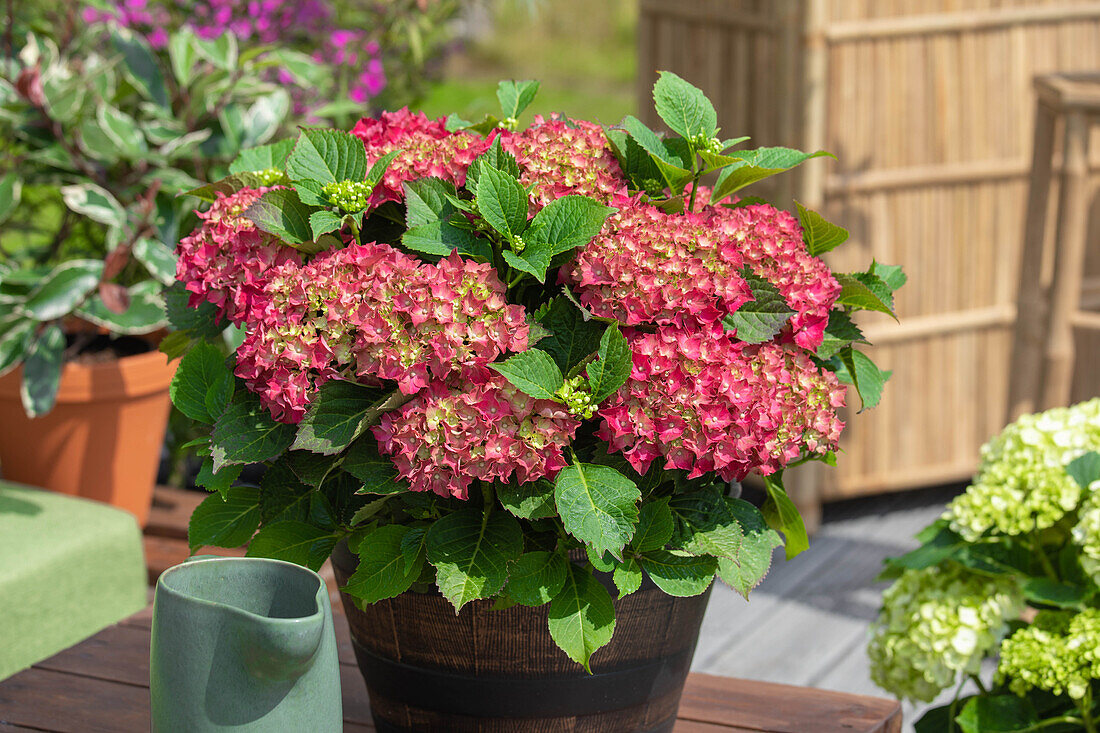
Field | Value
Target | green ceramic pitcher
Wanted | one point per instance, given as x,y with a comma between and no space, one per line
243,644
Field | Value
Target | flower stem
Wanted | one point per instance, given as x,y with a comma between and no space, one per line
1048,568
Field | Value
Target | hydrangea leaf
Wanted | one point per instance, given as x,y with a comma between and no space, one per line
654,526
1052,593
757,165
455,123
781,514
536,577
245,433
378,167
495,157
471,553
428,200
534,261
534,500
383,570
997,713
441,238
202,372
327,156
533,372
377,472
502,202
684,107
603,562
706,524
761,318
63,289
262,158
865,291
598,505
296,542
612,366
856,368
567,223
819,235
679,575
627,577
670,167
755,556
515,96
227,521
582,616
199,322
337,415
414,547
572,338
283,494
891,275
1085,469
42,371
282,213
839,332
227,186
637,165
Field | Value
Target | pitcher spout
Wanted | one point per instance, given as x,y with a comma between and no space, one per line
283,651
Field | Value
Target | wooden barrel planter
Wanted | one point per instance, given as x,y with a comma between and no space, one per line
486,671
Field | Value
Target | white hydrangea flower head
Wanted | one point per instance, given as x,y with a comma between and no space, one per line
1059,652
1022,484
1086,533
937,623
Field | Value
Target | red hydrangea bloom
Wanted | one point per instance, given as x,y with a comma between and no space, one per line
706,402
445,438
771,243
225,261
647,266
560,157
374,311
427,149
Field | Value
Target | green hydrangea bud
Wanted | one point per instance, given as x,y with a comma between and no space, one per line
269,176
1059,652
508,123
349,196
577,399
518,245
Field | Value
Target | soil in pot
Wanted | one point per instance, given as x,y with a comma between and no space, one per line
103,438
499,671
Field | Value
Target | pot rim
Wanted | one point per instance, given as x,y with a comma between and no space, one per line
138,375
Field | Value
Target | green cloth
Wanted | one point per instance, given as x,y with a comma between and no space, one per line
68,568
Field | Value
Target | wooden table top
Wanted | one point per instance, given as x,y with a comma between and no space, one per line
102,684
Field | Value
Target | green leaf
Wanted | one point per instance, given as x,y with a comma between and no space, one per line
582,616
856,368
612,367
283,495
414,548
202,372
1085,469
228,185
140,65
572,338
598,505
758,164
627,577
145,313
11,188
502,202
654,526
63,289
122,130
337,415
533,372
378,168
819,235
158,259
455,123
839,333
536,577
383,571
15,339
426,201
639,168
679,575
533,500
567,223
42,371
323,222
781,514
471,553
603,562
534,261
997,714
440,238
245,433
228,522
221,51
865,291
182,55
219,481
684,107
763,317
706,524
377,472
94,202
327,156
262,158
296,542
281,212
891,275
670,167
515,96
200,322
1052,593
494,157
755,557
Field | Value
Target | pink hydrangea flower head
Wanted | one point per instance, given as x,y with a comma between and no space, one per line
770,241
560,156
373,312
445,438
226,260
647,266
427,149
703,401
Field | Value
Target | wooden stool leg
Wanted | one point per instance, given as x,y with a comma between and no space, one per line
1069,263
1031,300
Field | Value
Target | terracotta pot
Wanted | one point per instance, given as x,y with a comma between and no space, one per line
486,671
103,438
